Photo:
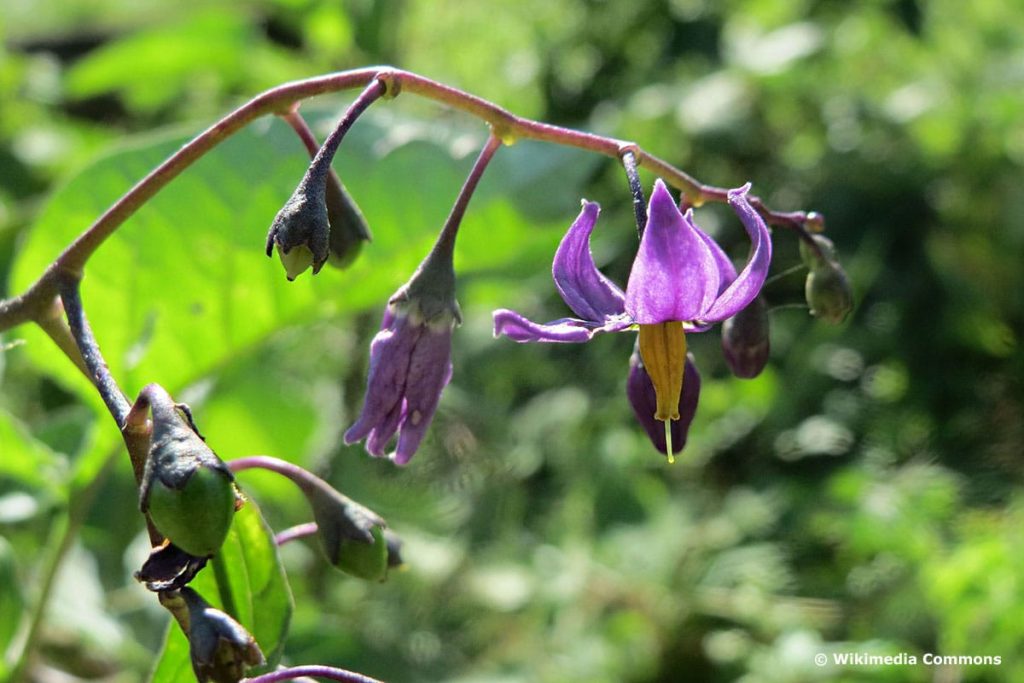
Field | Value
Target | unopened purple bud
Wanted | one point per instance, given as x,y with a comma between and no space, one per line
301,230
745,342
640,390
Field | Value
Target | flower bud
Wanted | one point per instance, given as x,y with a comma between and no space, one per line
220,648
829,293
188,492
394,543
811,258
745,339
351,535
301,229
348,226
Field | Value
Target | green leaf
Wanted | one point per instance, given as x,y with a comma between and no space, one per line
25,460
165,60
174,664
247,581
11,597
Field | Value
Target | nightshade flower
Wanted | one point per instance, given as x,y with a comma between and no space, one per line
410,359
681,281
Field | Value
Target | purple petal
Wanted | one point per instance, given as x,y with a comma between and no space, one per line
640,391
726,271
749,282
588,293
429,372
567,330
378,438
390,353
675,275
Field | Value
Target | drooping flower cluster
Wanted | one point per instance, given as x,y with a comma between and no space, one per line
681,281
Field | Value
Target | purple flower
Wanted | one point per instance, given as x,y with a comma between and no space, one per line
410,361
681,281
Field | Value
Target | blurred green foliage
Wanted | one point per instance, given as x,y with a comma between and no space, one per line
862,495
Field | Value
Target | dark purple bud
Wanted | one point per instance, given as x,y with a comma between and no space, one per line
745,339
301,230
640,390
221,649
187,491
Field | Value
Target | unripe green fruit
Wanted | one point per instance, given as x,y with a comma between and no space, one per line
197,517
829,294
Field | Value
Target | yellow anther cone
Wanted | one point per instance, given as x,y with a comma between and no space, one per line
663,351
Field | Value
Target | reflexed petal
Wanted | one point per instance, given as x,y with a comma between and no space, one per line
726,271
675,275
588,293
640,391
748,283
521,329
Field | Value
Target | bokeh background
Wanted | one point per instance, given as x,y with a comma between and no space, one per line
861,495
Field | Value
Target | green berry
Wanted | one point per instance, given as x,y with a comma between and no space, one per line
196,517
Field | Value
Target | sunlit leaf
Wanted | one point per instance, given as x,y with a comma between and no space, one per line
27,461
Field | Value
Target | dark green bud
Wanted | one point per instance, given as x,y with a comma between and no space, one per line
351,535
829,293
220,648
811,258
394,543
348,227
188,492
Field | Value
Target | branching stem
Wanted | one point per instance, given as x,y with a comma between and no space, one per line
33,303
99,373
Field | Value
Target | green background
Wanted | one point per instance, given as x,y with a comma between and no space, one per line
861,495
